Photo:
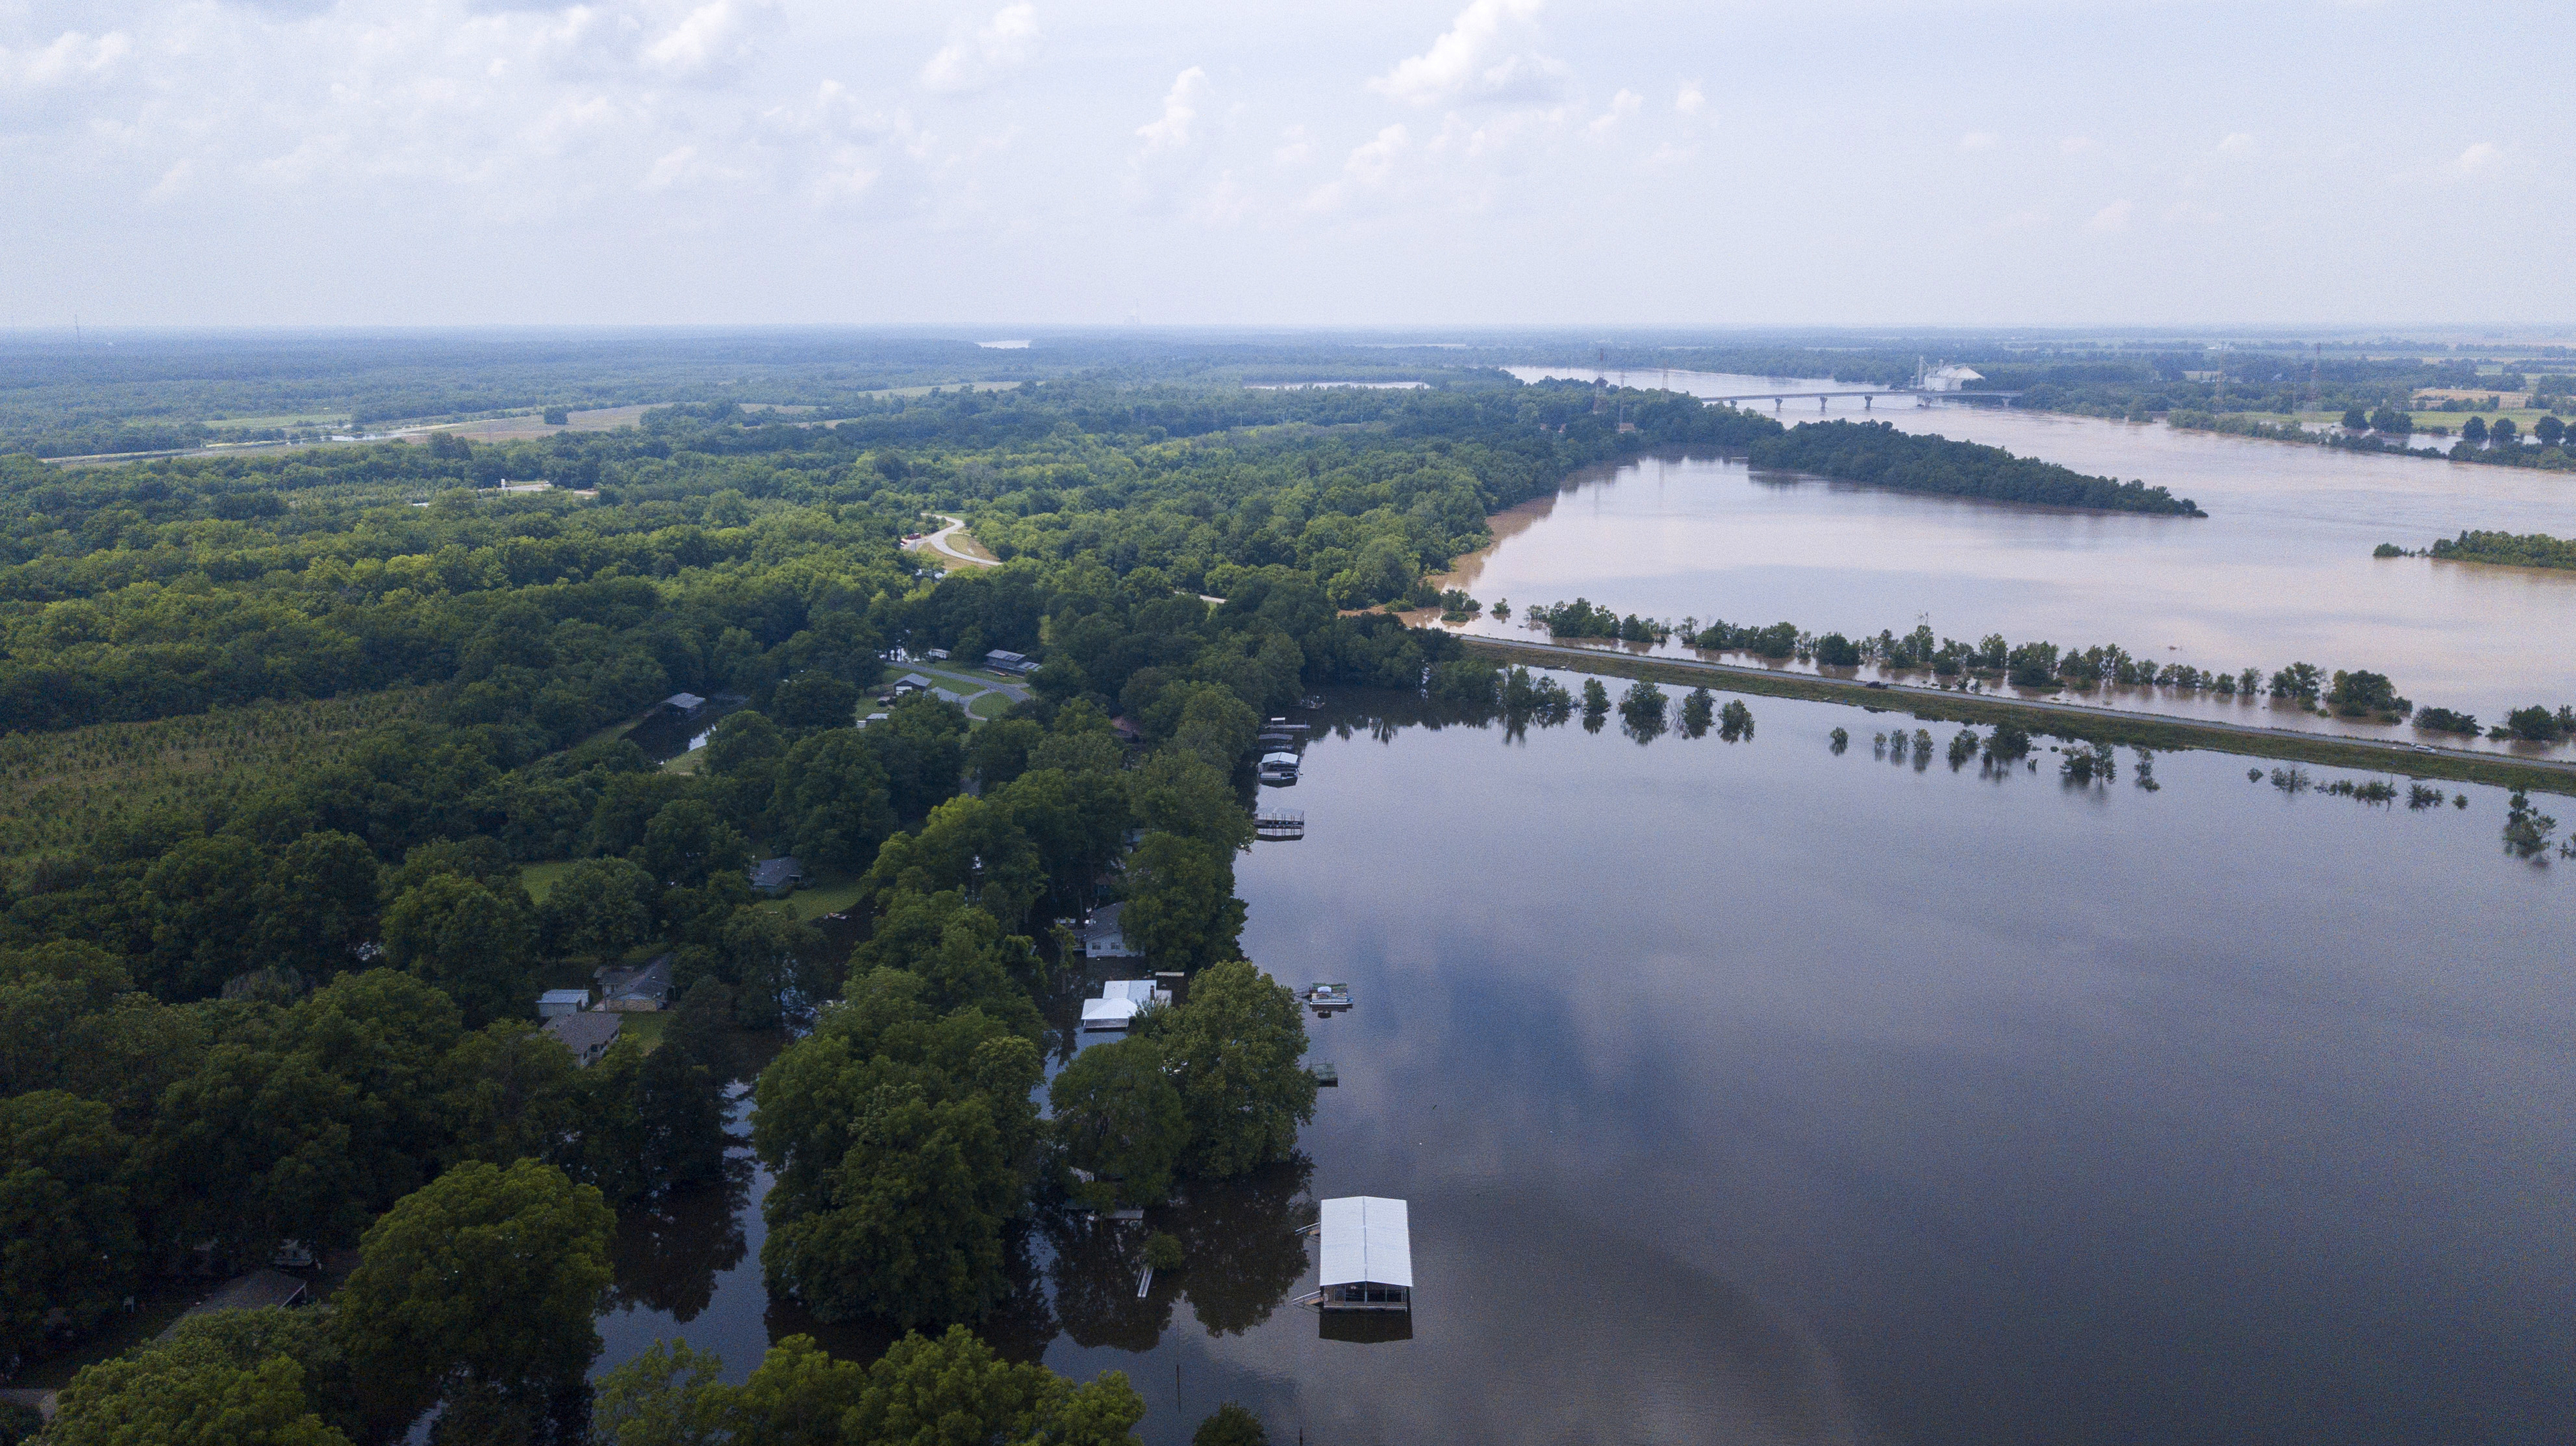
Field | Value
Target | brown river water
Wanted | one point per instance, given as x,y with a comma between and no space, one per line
2280,571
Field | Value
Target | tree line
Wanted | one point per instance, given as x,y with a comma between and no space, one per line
1994,660
1878,454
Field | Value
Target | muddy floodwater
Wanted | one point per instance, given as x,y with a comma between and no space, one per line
2280,571
1759,1092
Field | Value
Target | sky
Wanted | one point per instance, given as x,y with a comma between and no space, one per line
1318,163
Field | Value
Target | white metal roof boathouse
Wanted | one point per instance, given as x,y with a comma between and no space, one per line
1367,1255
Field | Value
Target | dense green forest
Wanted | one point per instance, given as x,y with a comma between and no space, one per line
1880,455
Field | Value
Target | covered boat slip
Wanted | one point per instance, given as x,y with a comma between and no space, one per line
1366,1259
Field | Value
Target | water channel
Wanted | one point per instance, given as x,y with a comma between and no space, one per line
2280,571
1762,1092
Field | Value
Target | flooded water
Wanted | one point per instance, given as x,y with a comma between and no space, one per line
2280,571
1755,1092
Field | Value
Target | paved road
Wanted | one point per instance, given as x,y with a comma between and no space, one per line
938,542
1896,692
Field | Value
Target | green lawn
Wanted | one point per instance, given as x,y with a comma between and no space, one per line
989,705
829,894
539,879
645,1029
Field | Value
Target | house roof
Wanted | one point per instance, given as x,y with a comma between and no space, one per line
1108,1011
585,1031
564,996
653,978
266,1286
684,701
770,873
1367,1238
1006,656
1135,991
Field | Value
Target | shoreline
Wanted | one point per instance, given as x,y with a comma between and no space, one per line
2158,731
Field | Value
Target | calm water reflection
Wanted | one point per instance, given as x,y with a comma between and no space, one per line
1754,1092
2280,570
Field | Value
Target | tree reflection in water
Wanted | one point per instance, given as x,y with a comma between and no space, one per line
669,1251
1240,1250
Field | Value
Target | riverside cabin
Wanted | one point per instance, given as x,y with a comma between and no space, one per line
1367,1256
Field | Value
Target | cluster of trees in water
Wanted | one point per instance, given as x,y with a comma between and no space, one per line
1993,659
306,1012
2534,549
1878,454
2388,430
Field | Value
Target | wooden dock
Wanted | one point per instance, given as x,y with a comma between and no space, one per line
1278,823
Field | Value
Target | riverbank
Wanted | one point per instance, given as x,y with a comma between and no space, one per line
2104,725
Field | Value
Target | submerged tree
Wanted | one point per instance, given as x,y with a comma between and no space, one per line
1641,711
1735,721
1697,711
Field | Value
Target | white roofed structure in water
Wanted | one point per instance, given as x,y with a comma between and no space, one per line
1367,1240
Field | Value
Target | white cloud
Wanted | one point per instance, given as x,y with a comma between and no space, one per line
1295,148
1171,130
1690,100
1372,163
1623,105
2482,156
712,36
1368,168
1474,60
2075,145
72,56
2114,217
2237,143
1978,141
996,47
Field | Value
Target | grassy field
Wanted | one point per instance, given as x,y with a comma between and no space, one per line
827,894
57,790
2137,730
539,879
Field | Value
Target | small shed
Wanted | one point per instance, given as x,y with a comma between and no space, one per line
587,1034
555,1003
777,876
687,705
1001,661
1367,1255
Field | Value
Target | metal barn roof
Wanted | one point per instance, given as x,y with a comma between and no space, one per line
1366,1239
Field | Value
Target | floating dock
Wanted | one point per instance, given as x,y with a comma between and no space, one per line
1279,823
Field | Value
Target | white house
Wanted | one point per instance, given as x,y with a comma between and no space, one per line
1120,1001
1104,937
